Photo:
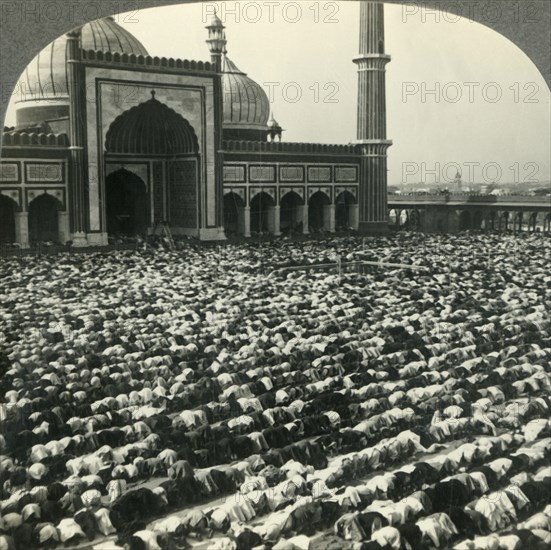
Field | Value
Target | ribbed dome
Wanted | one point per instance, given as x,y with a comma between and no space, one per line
151,128
46,75
246,104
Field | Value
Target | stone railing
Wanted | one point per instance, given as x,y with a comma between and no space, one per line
524,198
421,197
466,197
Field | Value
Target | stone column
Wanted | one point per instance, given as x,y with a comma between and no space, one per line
274,225
329,218
353,216
305,229
247,221
240,220
22,229
505,219
77,133
397,220
63,227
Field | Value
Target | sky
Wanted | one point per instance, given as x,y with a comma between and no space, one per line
460,97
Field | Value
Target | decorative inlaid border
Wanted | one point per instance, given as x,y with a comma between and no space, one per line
291,173
235,173
5,177
49,172
346,174
262,173
315,173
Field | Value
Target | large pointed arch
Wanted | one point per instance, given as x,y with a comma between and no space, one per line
151,128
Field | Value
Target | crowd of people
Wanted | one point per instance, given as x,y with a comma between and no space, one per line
213,397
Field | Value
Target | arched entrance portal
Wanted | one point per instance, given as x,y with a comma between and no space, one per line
153,133
316,206
127,203
7,219
43,219
261,205
233,212
290,208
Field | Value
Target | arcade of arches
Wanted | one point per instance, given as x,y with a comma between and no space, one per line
292,215
45,220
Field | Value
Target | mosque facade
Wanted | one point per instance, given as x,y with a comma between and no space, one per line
110,140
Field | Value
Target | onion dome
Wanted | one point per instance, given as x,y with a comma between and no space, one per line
42,90
151,128
246,105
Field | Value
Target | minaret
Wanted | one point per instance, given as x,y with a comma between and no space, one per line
216,41
217,46
371,122
77,133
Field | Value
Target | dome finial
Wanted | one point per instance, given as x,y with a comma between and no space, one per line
215,22
152,94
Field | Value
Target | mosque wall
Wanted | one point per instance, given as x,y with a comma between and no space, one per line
298,187
111,92
27,173
281,174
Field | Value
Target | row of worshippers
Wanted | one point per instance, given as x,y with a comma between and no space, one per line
181,469
239,435
267,342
